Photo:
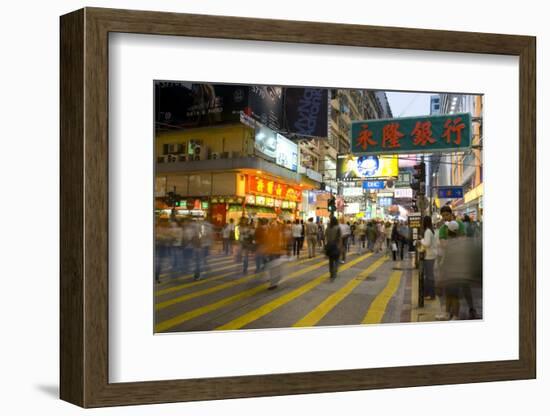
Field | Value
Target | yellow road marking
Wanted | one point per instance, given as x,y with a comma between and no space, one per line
379,304
170,323
217,262
165,304
282,300
210,279
191,275
313,317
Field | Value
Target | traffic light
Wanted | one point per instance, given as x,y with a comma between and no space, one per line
419,178
332,205
172,199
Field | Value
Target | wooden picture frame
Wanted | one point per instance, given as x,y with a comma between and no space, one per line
84,207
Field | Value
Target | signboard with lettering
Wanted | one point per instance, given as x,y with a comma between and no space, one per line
263,186
374,185
352,191
385,201
439,133
403,180
403,193
365,167
286,153
415,220
450,192
307,111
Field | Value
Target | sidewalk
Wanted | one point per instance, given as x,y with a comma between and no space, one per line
432,307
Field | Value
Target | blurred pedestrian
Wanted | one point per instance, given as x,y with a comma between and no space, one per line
353,229
296,236
302,234
333,246
207,239
320,234
260,240
163,243
371,235
311,235
245,239
287,235
404,238
362,234
228,236
380,237
345,233
387,232
459,266
395,237
274,248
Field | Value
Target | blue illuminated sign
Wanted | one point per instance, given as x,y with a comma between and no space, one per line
373,185
450,192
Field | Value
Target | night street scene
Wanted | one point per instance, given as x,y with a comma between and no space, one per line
281,207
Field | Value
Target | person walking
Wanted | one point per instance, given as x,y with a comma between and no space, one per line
320,235
428,245
387,232
380,237
459,266
371,235
353,228
333,246
287,235
362,234
163,243
311,235
345,232
302,234
260,241
245,240
207,239
274,248
403,230
395,237
296,236
228,236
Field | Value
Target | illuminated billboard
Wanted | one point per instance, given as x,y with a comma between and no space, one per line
367,167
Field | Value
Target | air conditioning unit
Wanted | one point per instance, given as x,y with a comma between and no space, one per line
173,148
215,155
171,158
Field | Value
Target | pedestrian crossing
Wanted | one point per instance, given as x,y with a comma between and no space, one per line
225,299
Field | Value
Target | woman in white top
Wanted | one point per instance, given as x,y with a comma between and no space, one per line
429,245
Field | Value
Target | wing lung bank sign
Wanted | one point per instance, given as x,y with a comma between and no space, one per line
366,167
307,111
432,134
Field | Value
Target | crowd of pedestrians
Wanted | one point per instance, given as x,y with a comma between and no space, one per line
452,263
451,249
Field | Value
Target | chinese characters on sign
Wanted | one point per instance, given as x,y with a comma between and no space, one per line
450,192
267,187
412,134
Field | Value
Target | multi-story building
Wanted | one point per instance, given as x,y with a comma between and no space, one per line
463,168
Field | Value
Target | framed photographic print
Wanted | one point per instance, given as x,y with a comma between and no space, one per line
255,207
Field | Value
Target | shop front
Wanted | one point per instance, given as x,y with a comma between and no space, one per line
271,198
